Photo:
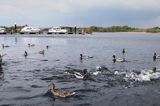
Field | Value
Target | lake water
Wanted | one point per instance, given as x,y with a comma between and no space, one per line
24,81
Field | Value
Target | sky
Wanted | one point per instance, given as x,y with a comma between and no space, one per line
46,13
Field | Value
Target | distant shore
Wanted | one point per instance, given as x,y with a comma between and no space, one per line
82,30
73,35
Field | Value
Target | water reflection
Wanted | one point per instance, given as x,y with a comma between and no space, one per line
16,40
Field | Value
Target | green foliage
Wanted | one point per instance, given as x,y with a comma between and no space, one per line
113,29
153,30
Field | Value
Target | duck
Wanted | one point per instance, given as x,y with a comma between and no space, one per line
158,56
5,46
123,51
31,45
47,47
118,59
25,54
41,52
85,56
60,93
144,75
155,56
81,75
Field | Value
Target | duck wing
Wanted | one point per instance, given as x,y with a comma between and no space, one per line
78,75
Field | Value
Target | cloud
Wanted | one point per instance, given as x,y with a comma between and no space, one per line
79,12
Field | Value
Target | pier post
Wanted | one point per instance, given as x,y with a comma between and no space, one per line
15,28
75,30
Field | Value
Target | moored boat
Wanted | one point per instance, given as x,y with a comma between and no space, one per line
57,30
3,31
29,30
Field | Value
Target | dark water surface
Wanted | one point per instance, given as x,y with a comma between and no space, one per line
24,82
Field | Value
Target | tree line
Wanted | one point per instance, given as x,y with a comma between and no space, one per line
124,29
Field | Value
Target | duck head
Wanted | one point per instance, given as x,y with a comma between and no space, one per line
114,56
52,86
81,55
85,71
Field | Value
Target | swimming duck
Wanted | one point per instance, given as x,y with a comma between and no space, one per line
85,56
155,56
5,46
31,45
158,56
60,93
81,75
118,59
41,52
47,47
25,54
123,51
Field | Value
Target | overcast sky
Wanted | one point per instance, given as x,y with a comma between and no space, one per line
45,13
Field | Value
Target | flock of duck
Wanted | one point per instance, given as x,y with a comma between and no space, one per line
32,45
83,74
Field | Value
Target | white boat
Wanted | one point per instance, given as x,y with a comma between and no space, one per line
30,30
57,30
3,31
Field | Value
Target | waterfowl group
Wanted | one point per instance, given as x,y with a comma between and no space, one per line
40,52
60,93
144,75
83,74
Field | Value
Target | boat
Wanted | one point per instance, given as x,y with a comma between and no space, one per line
57,30
30,30
3,31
